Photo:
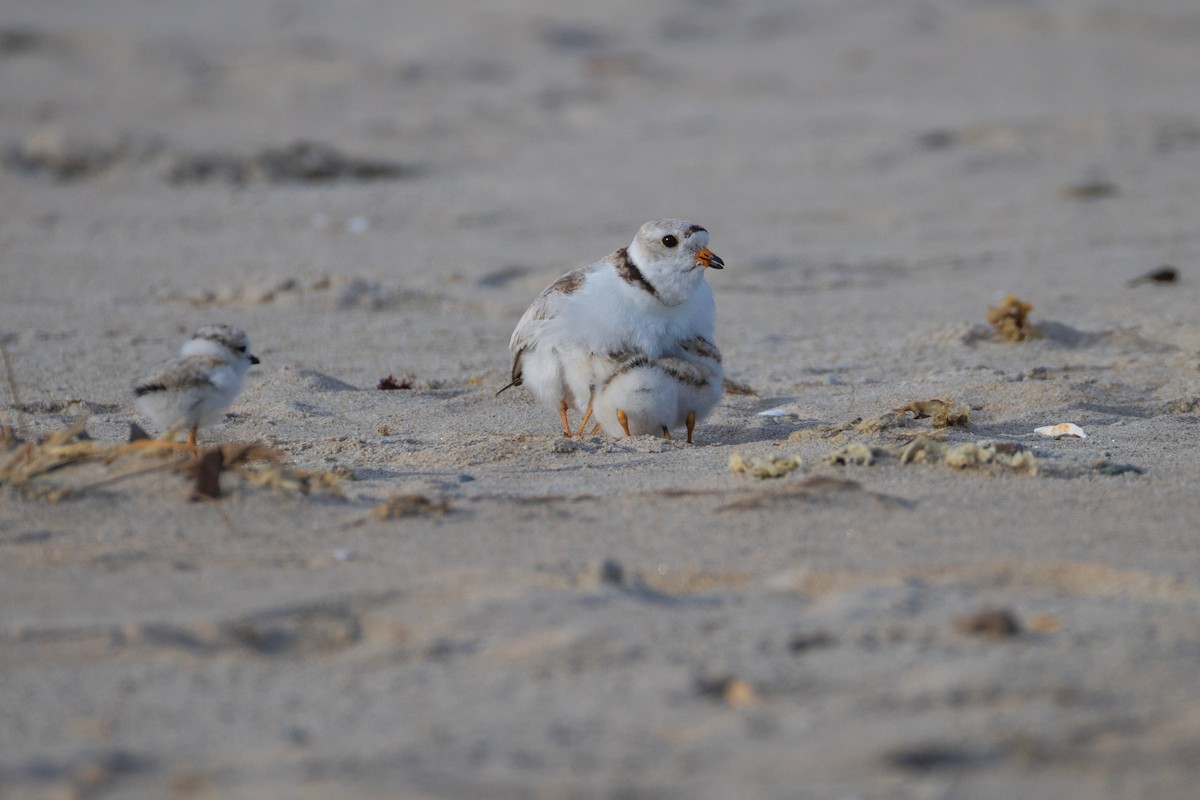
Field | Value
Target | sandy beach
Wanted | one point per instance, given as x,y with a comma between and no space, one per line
429,593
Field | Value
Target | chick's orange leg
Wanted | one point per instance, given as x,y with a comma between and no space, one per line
624,420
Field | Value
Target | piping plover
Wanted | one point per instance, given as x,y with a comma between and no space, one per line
646,299
192,390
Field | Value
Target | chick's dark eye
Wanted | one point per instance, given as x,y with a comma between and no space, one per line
670,241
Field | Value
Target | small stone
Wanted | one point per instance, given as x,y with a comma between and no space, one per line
855,453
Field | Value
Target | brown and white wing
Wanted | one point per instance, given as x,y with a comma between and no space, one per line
181,374
699,347
533,322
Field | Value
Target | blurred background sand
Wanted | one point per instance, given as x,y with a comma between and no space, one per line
375,189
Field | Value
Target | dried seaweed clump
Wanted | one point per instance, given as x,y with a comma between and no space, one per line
855,453
764,466
886,421
939,413
924,450
1011,320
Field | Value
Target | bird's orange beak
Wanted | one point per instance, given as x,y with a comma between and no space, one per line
707,258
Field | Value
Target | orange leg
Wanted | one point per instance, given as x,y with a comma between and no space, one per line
691,424
586,416
562,414
624,420
666,432
595,429
191,437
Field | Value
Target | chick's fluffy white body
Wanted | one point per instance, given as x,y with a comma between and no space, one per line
660,395
700,379
645,394
647,299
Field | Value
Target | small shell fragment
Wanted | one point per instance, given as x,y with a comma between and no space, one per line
1060,430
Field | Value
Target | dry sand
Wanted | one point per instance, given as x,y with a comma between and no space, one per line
606,619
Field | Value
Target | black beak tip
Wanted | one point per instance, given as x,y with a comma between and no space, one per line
254,360
716,263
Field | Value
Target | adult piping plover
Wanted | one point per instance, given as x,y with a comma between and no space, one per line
647,300
192,390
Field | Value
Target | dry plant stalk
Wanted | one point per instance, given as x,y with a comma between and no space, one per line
256,464
60,448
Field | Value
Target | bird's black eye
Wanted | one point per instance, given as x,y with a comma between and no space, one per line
670,241
241,349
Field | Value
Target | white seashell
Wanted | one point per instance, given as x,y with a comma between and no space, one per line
777,412
1061,429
